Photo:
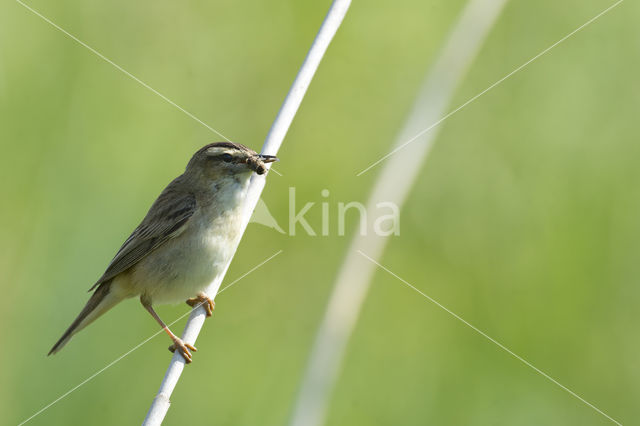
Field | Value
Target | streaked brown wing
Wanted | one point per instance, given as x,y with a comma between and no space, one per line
165,219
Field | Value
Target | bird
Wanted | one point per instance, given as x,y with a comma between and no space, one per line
183,243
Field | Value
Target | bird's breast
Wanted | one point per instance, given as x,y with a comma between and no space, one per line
188,263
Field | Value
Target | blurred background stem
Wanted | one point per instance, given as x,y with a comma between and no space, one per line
394,182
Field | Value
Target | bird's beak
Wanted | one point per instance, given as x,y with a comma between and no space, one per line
267,158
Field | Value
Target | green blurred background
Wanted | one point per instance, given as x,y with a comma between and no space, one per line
524,221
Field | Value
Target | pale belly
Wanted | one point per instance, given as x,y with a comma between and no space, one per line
189,263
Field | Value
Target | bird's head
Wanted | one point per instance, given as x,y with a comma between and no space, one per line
221,159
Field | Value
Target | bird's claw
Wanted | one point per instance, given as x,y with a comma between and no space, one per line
183,348
202,300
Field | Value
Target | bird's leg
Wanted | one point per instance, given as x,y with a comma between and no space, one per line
177,342
204,300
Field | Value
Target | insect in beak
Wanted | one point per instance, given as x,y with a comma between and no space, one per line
268,158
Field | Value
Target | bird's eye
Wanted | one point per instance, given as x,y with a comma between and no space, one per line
227,158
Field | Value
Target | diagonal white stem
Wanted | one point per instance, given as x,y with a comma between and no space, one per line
393,185
332,21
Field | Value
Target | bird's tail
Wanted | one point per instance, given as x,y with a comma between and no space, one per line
101,301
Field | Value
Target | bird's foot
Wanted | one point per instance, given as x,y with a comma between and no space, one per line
204,300
183,348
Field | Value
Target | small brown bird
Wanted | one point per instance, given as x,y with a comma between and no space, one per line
184,241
